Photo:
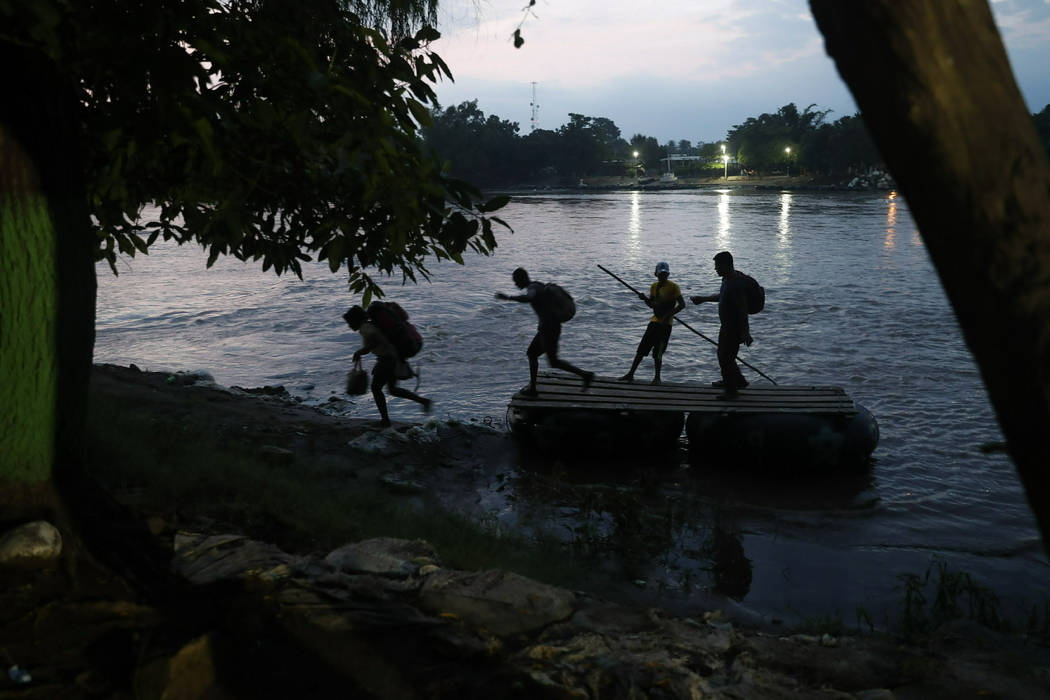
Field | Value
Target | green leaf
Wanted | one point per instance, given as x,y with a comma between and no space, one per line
420,113
140,244
495,203
442,66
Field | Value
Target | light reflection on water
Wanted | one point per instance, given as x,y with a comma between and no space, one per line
845,306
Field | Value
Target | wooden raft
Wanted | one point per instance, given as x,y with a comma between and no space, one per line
608,394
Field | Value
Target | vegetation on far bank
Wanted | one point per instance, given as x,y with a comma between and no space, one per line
490,151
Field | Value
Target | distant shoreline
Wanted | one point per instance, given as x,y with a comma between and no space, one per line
616,184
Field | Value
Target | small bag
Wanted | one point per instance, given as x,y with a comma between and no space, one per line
356,380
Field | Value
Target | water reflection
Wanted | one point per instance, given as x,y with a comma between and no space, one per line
783,247
730,567
784,224
661,525
722,234
634,221
891,221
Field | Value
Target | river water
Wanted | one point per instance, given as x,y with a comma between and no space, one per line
851,300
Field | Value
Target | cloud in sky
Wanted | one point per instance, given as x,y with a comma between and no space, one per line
678,69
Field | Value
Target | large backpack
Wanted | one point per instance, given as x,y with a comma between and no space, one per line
392,321
756,295
559,302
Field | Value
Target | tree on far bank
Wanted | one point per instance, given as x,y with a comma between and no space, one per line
586,143
650,152
762,142
842,148
270,131
485,150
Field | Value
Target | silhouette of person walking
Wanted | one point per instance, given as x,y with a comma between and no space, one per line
735,329
384,373
547,333
665,299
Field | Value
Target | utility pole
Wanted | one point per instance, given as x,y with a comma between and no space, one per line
535,110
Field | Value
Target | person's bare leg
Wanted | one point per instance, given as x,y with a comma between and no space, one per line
377,394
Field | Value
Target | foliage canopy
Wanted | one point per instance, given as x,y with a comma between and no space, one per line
266,130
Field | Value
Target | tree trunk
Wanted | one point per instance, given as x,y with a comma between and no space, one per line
47,285
935,87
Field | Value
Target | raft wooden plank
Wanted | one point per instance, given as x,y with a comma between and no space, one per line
666,389
606,394
655,402
665,392
657,394
605,385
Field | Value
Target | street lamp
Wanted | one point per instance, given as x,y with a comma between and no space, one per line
725,161
787,151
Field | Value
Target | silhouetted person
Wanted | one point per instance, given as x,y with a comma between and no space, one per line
385,371
547,333
732,313
665,299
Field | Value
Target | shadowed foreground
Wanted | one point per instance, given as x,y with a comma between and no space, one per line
193,599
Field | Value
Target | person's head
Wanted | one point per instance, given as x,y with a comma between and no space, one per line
354,317
724,263
662,270
521,278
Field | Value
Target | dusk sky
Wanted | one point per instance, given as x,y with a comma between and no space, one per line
677,69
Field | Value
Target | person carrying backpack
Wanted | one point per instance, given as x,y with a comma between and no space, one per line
665,299
384,373
550,309
732,301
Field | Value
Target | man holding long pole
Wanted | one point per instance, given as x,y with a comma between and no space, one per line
741,361
665,299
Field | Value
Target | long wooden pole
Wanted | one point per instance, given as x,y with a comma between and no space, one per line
743,362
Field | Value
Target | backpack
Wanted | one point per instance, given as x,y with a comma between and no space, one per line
392,321
756,295
559,302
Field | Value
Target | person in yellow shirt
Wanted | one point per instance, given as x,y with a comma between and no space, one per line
665,299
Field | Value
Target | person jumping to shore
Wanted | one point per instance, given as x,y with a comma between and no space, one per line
384,373
735,329
665,299
547,332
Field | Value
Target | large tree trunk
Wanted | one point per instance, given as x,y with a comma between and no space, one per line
47,285
934,85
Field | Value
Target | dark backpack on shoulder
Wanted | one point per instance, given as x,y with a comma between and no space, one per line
392,321
756,295
558,302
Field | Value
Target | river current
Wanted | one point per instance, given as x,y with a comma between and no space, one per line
852,300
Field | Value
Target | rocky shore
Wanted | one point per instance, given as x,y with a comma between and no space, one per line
231,614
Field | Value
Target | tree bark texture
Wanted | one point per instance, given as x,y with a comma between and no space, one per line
936,90
47,277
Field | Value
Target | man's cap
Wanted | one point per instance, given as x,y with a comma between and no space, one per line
663,267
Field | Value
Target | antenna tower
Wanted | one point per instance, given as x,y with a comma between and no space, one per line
535,110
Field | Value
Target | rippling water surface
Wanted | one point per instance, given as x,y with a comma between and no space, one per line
851,300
